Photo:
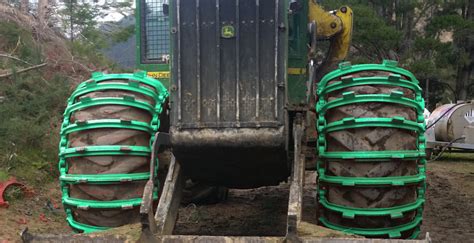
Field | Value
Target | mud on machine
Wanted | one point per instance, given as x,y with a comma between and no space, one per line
240,93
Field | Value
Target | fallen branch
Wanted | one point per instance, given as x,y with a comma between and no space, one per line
23,70
14,58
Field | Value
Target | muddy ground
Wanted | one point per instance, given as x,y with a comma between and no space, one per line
449,208
448,215
40,212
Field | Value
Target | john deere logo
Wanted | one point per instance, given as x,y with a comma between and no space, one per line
228,31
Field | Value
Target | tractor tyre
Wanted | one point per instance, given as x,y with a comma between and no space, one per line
109,164
105,149
370,139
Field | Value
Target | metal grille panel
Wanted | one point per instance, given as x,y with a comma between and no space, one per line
155,35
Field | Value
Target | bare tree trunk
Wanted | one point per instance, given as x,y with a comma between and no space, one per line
24,6
462,81
465,71
407,29
71,22
42,9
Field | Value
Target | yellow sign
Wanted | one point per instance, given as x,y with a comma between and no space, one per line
296,71
159,75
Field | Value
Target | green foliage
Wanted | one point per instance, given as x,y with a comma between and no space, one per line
3,175
374,38
86,40
123,34
455,23
17,41
31,113
432,38
30,108
32,103
29,104
91,53
79,19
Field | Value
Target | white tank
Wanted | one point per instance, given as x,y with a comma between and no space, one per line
456,121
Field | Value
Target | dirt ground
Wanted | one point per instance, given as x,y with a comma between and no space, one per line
254,212
449,208
239,215
448,214
41,212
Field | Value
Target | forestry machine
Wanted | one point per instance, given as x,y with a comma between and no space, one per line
233,96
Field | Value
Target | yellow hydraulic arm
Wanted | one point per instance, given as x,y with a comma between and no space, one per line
335,26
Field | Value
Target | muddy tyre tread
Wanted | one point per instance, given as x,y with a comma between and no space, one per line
370,139
97,207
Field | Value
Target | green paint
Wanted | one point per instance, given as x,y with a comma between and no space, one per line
298,58
394,212
393,232
114,204
140,63
103,178
85,103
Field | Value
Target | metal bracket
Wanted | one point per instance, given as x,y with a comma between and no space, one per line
148,222
167,210
295,203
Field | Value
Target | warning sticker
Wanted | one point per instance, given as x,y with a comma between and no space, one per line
159,75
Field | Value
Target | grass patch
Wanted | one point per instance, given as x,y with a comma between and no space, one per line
3,175
29,127
457,157
31,111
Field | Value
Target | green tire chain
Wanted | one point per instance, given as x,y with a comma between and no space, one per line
137,87
341,80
